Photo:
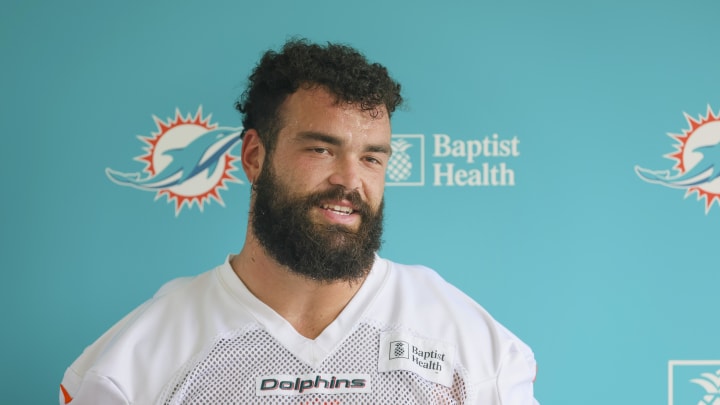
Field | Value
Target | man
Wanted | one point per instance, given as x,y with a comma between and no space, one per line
307,313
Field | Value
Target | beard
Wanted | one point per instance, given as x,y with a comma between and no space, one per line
324,252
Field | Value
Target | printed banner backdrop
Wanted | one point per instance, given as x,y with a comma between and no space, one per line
556,160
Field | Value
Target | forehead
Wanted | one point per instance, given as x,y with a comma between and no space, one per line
315,108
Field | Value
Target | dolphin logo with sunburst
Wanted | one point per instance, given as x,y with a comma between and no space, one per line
696,158
187,160
711,383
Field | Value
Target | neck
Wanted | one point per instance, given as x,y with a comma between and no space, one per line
308,305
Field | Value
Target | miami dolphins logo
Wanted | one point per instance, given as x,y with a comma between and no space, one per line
187,160
697,160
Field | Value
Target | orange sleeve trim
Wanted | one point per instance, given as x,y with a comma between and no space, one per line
66,395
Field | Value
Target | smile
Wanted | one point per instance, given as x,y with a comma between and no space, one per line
338,209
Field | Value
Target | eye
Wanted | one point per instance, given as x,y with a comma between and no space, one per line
373,160
319,150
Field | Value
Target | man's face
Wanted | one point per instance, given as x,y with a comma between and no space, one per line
318,198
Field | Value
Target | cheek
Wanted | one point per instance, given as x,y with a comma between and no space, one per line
375,189
305,179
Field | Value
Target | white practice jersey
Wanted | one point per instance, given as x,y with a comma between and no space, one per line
406,337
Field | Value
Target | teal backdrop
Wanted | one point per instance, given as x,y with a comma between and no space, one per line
561,225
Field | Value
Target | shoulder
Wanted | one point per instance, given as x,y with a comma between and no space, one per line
183,317
419,293
418,300
432,300
185,310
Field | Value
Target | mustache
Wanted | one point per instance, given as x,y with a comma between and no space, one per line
338,193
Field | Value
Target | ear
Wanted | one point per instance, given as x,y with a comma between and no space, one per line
253,154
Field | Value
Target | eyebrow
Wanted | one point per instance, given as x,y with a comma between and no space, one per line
336,141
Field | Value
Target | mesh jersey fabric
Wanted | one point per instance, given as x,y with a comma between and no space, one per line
406,337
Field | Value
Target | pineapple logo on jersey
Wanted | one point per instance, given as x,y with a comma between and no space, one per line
399,349
187,160
407,163
696,160
695,382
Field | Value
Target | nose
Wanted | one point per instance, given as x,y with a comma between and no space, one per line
346,173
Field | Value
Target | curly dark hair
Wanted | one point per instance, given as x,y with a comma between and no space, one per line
342,70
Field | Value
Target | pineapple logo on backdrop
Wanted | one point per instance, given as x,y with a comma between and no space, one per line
187,160
696,161
711,384
407,163
694,382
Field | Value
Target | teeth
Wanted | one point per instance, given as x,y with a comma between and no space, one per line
338,208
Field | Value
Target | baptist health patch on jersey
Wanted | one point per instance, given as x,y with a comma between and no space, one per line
311,383
431,359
